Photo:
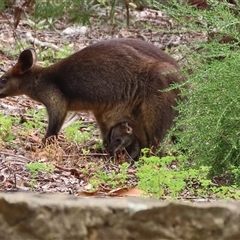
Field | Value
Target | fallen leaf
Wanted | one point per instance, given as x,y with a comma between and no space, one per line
121,192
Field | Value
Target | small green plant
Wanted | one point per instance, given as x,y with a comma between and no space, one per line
104,177
6,123
73,133
122,175
113,178
35,168
46,13
226,192
49,56
35,119
157,179
99,145
2,4
75,11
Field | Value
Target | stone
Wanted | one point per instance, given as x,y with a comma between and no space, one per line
32,216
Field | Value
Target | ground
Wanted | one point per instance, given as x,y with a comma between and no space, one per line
66,166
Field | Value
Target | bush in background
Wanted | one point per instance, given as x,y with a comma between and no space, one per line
86,11
210,118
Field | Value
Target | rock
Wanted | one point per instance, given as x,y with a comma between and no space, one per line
54,216
76,30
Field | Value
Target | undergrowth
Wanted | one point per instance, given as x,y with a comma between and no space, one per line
74,132
169,178
207,128
84,12
35,169
6,124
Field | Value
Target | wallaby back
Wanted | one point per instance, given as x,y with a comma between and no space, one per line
118,80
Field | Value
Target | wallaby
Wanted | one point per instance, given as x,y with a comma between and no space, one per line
118,80
121,137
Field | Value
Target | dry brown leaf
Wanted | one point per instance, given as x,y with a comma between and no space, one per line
95,193
118,192
88,193
155,167
34,139
121,192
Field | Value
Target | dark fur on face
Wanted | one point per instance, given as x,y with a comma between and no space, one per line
121,137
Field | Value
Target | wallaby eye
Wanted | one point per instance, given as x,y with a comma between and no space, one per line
118,140
3,81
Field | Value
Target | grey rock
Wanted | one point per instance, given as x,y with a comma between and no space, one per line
31,216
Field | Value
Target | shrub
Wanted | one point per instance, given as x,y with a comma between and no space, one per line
210,117
83,12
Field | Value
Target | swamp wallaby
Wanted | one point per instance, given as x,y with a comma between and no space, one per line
121,137
118,80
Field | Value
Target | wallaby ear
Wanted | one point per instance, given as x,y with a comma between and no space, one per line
27,59
128,128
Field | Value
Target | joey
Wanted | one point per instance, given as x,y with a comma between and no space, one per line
118,80
121,137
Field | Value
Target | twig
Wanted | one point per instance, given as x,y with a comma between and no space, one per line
71,119
62,168
42,44
15,180
86,155
75,172
15,157
8,107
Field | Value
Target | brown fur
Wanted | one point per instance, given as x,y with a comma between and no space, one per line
118,80
121,137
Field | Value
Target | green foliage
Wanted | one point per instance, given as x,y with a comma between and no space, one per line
35,168
2,4
36,120
14,51
49,56
211,115
46,12
99,145
160,179
209,119
74,10
6,123
112,178
220,17
83,12
156,179
73,133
